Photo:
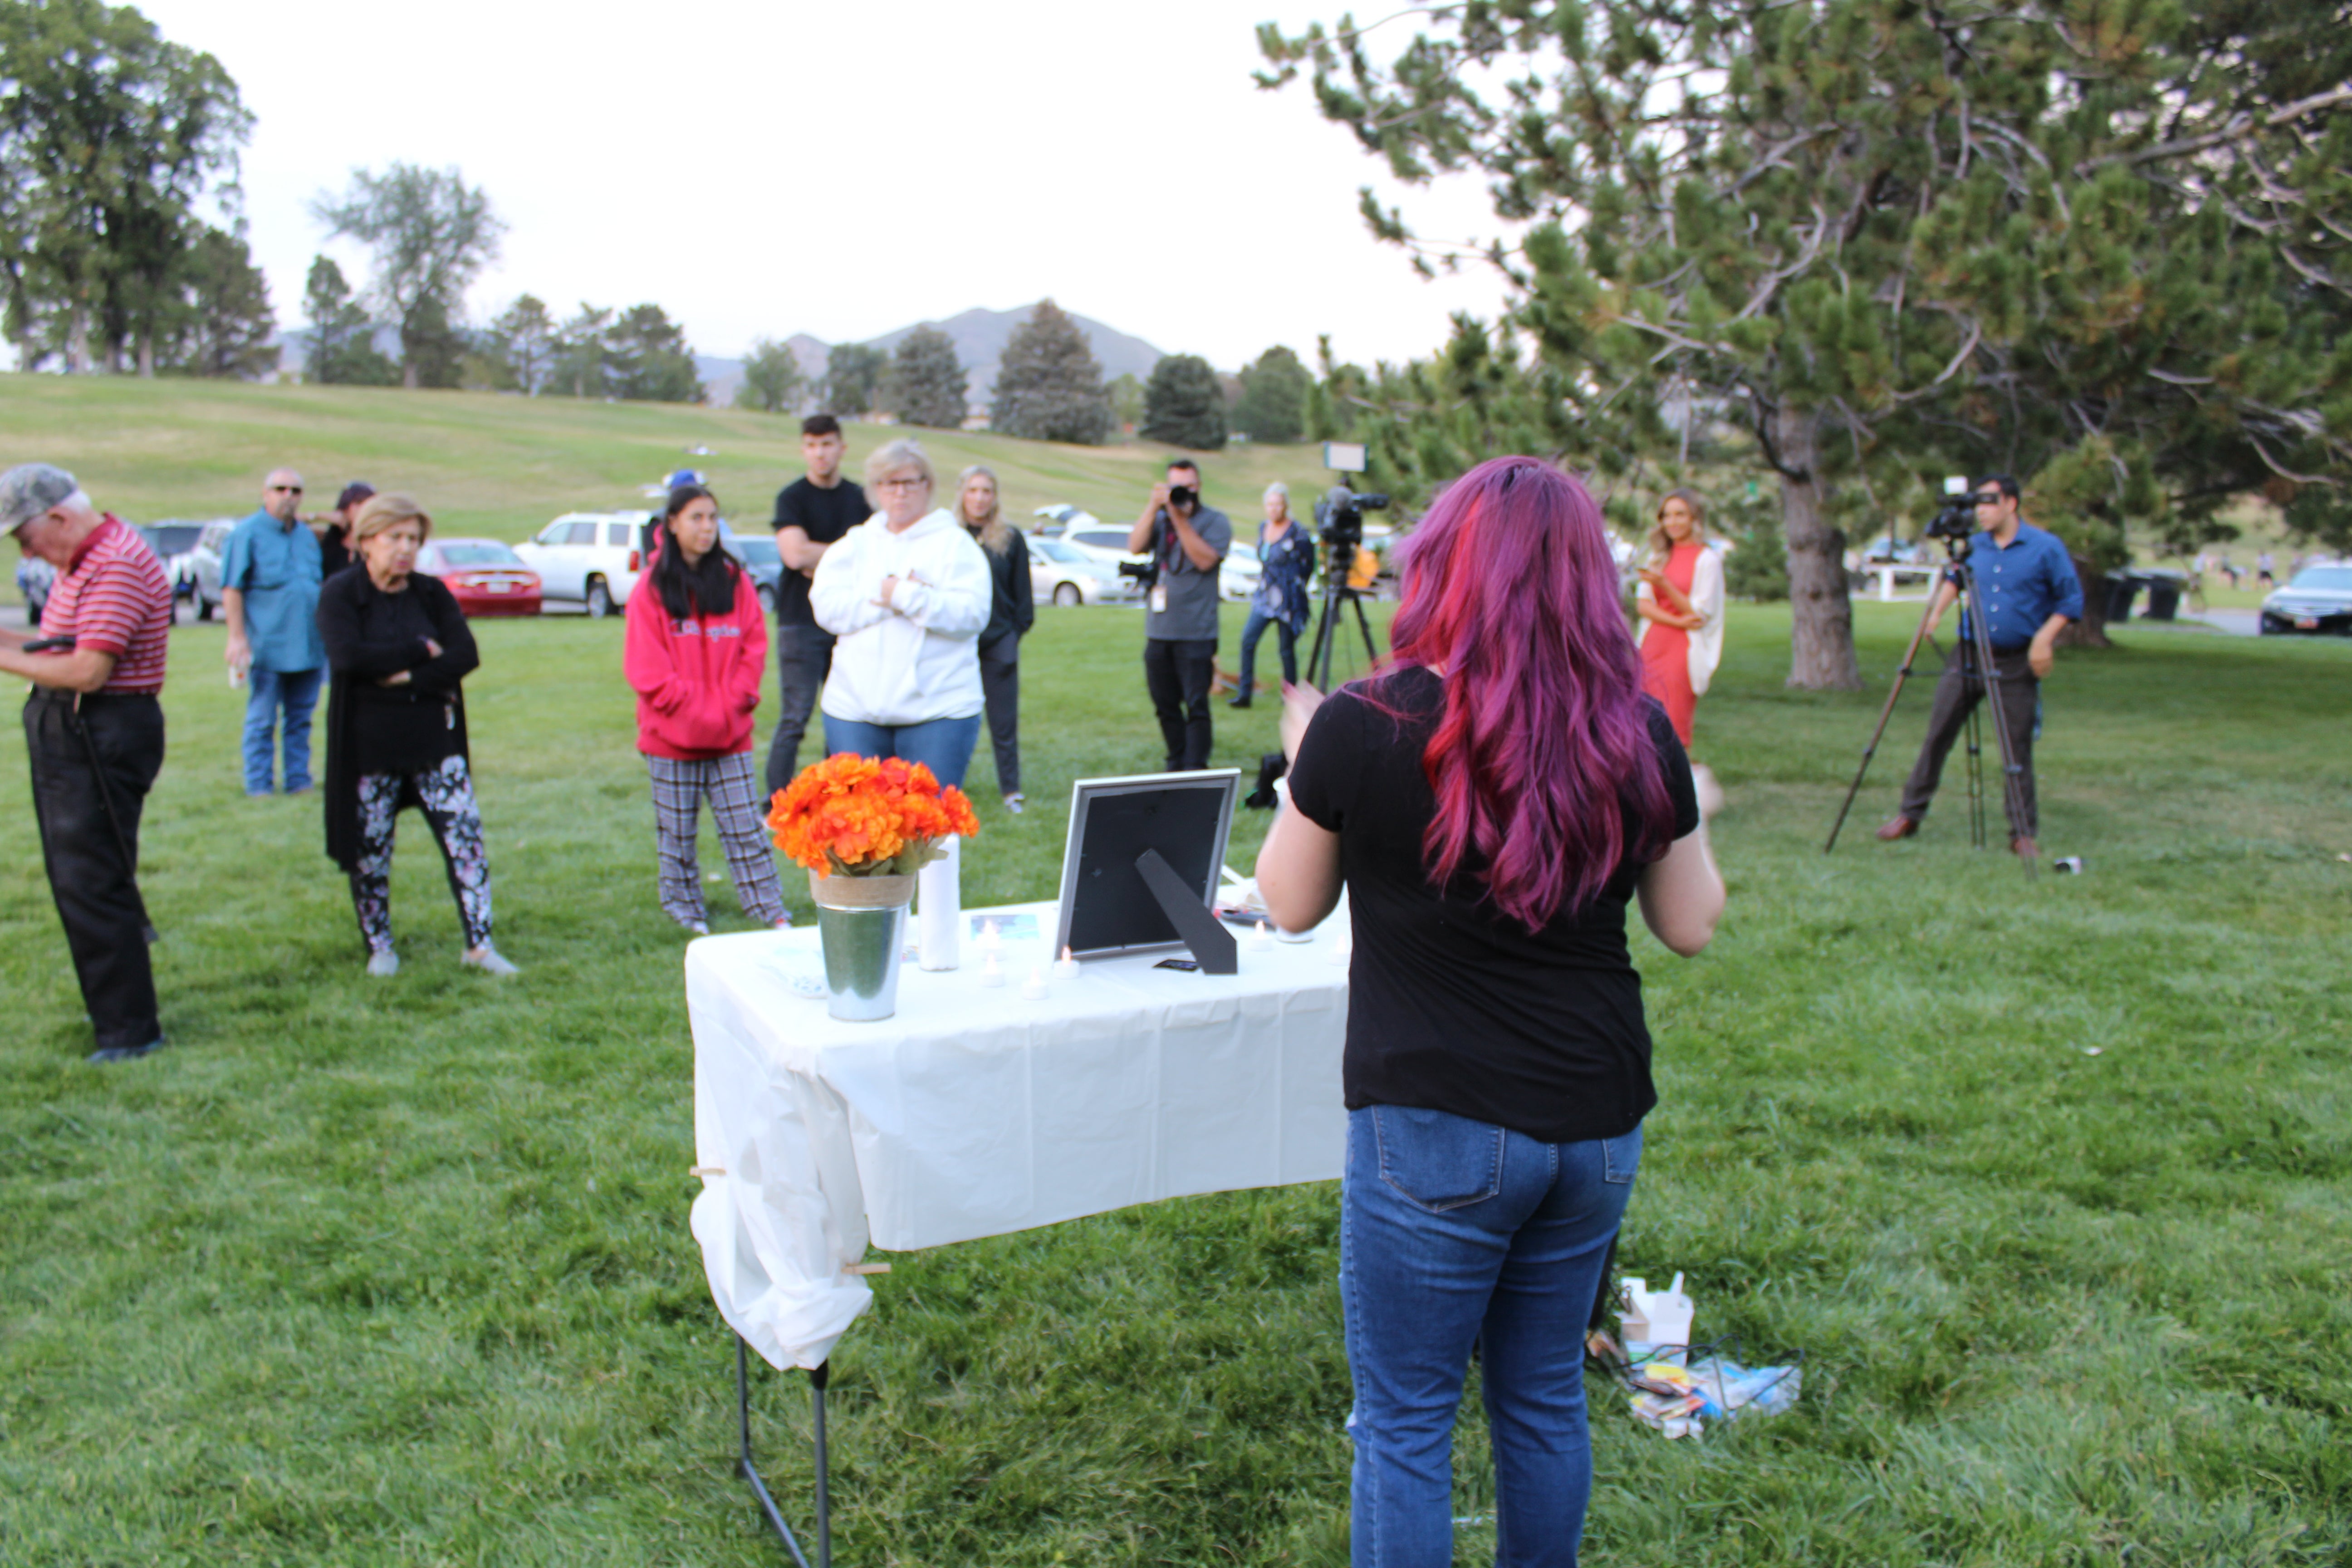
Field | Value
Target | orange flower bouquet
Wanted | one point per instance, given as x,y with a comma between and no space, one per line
864,827
861,817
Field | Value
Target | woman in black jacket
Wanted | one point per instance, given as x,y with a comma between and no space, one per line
1012,612
399,645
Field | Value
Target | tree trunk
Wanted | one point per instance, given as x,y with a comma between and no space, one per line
408,372
2091,631
147,355
1821,635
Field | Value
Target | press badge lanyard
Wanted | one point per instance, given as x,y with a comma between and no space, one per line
1169,548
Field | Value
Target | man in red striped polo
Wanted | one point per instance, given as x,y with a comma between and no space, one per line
94,732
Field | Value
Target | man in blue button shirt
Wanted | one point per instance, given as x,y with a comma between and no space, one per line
269,586
2030,591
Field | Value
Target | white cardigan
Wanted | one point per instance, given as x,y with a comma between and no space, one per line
1706,598
918,660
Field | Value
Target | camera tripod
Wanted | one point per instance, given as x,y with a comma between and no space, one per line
1336,594
1977,663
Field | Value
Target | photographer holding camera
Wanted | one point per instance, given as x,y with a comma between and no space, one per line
2030,591
1187,543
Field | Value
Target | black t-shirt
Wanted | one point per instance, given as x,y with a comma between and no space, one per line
1453,1005
825,516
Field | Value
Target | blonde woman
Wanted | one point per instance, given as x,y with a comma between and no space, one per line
907,594
1680,602
1011,610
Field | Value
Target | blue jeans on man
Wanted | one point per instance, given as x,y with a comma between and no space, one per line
279,703
1455,1232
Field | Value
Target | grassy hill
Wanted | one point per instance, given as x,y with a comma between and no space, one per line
502,466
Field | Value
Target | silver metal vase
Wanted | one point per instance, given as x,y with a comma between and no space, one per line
861,922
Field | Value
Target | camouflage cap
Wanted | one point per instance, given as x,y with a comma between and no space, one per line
29,490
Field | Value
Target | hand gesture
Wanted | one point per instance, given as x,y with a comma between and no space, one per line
889,587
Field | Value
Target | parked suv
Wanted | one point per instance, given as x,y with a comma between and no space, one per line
195,575
588,558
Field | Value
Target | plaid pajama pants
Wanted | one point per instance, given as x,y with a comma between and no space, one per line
732,786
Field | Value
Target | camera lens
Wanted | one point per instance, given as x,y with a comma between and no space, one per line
1179,495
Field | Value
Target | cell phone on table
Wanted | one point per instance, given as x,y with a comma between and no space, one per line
1184,963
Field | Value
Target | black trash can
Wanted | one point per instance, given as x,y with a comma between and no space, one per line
2163,594
2123,587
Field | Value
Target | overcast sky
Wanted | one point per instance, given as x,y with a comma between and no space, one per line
762,169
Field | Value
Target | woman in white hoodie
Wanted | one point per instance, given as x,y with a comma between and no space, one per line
906,592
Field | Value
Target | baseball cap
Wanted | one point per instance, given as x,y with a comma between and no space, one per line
29,490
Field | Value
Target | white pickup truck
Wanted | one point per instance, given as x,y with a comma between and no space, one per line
588,558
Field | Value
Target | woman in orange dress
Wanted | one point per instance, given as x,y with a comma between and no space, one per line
1680,602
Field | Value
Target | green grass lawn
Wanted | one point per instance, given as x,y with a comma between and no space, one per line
483,464
2049,1183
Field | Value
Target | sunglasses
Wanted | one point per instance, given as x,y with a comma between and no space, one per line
287,489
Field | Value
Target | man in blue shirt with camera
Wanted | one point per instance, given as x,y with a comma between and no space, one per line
2030,591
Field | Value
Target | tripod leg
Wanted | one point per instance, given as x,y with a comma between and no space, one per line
1975,781
2013,772
1909,655
1363,625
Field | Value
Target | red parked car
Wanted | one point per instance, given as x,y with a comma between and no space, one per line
486,576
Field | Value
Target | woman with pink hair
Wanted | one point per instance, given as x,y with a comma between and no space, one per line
1494,800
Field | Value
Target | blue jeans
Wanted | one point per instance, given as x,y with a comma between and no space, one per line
1454,1233
292,693
942,745
1286,639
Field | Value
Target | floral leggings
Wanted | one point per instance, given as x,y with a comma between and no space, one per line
446,795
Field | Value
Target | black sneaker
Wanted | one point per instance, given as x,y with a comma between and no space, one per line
105,1054
1237,702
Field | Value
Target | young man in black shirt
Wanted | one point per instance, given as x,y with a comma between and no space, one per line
811,512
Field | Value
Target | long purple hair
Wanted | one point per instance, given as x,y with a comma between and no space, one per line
1542,762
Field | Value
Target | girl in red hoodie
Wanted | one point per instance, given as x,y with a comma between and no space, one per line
696,646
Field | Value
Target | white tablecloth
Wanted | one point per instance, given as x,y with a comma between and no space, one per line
976,1111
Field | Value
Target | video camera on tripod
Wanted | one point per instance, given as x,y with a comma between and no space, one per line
1957,518
1955,526
1339,519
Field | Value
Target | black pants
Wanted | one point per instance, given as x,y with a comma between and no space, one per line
96,890
1000,687
1176,672
803,659
1957,696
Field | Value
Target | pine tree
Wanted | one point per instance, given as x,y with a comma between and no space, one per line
773,382
583,358
1127,400
433,346
520,345
1887,242
221,324
1049,386
342,339
926,383
1272,406
1183,405
650,359
853,374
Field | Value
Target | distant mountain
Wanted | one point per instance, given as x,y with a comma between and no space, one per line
980,338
